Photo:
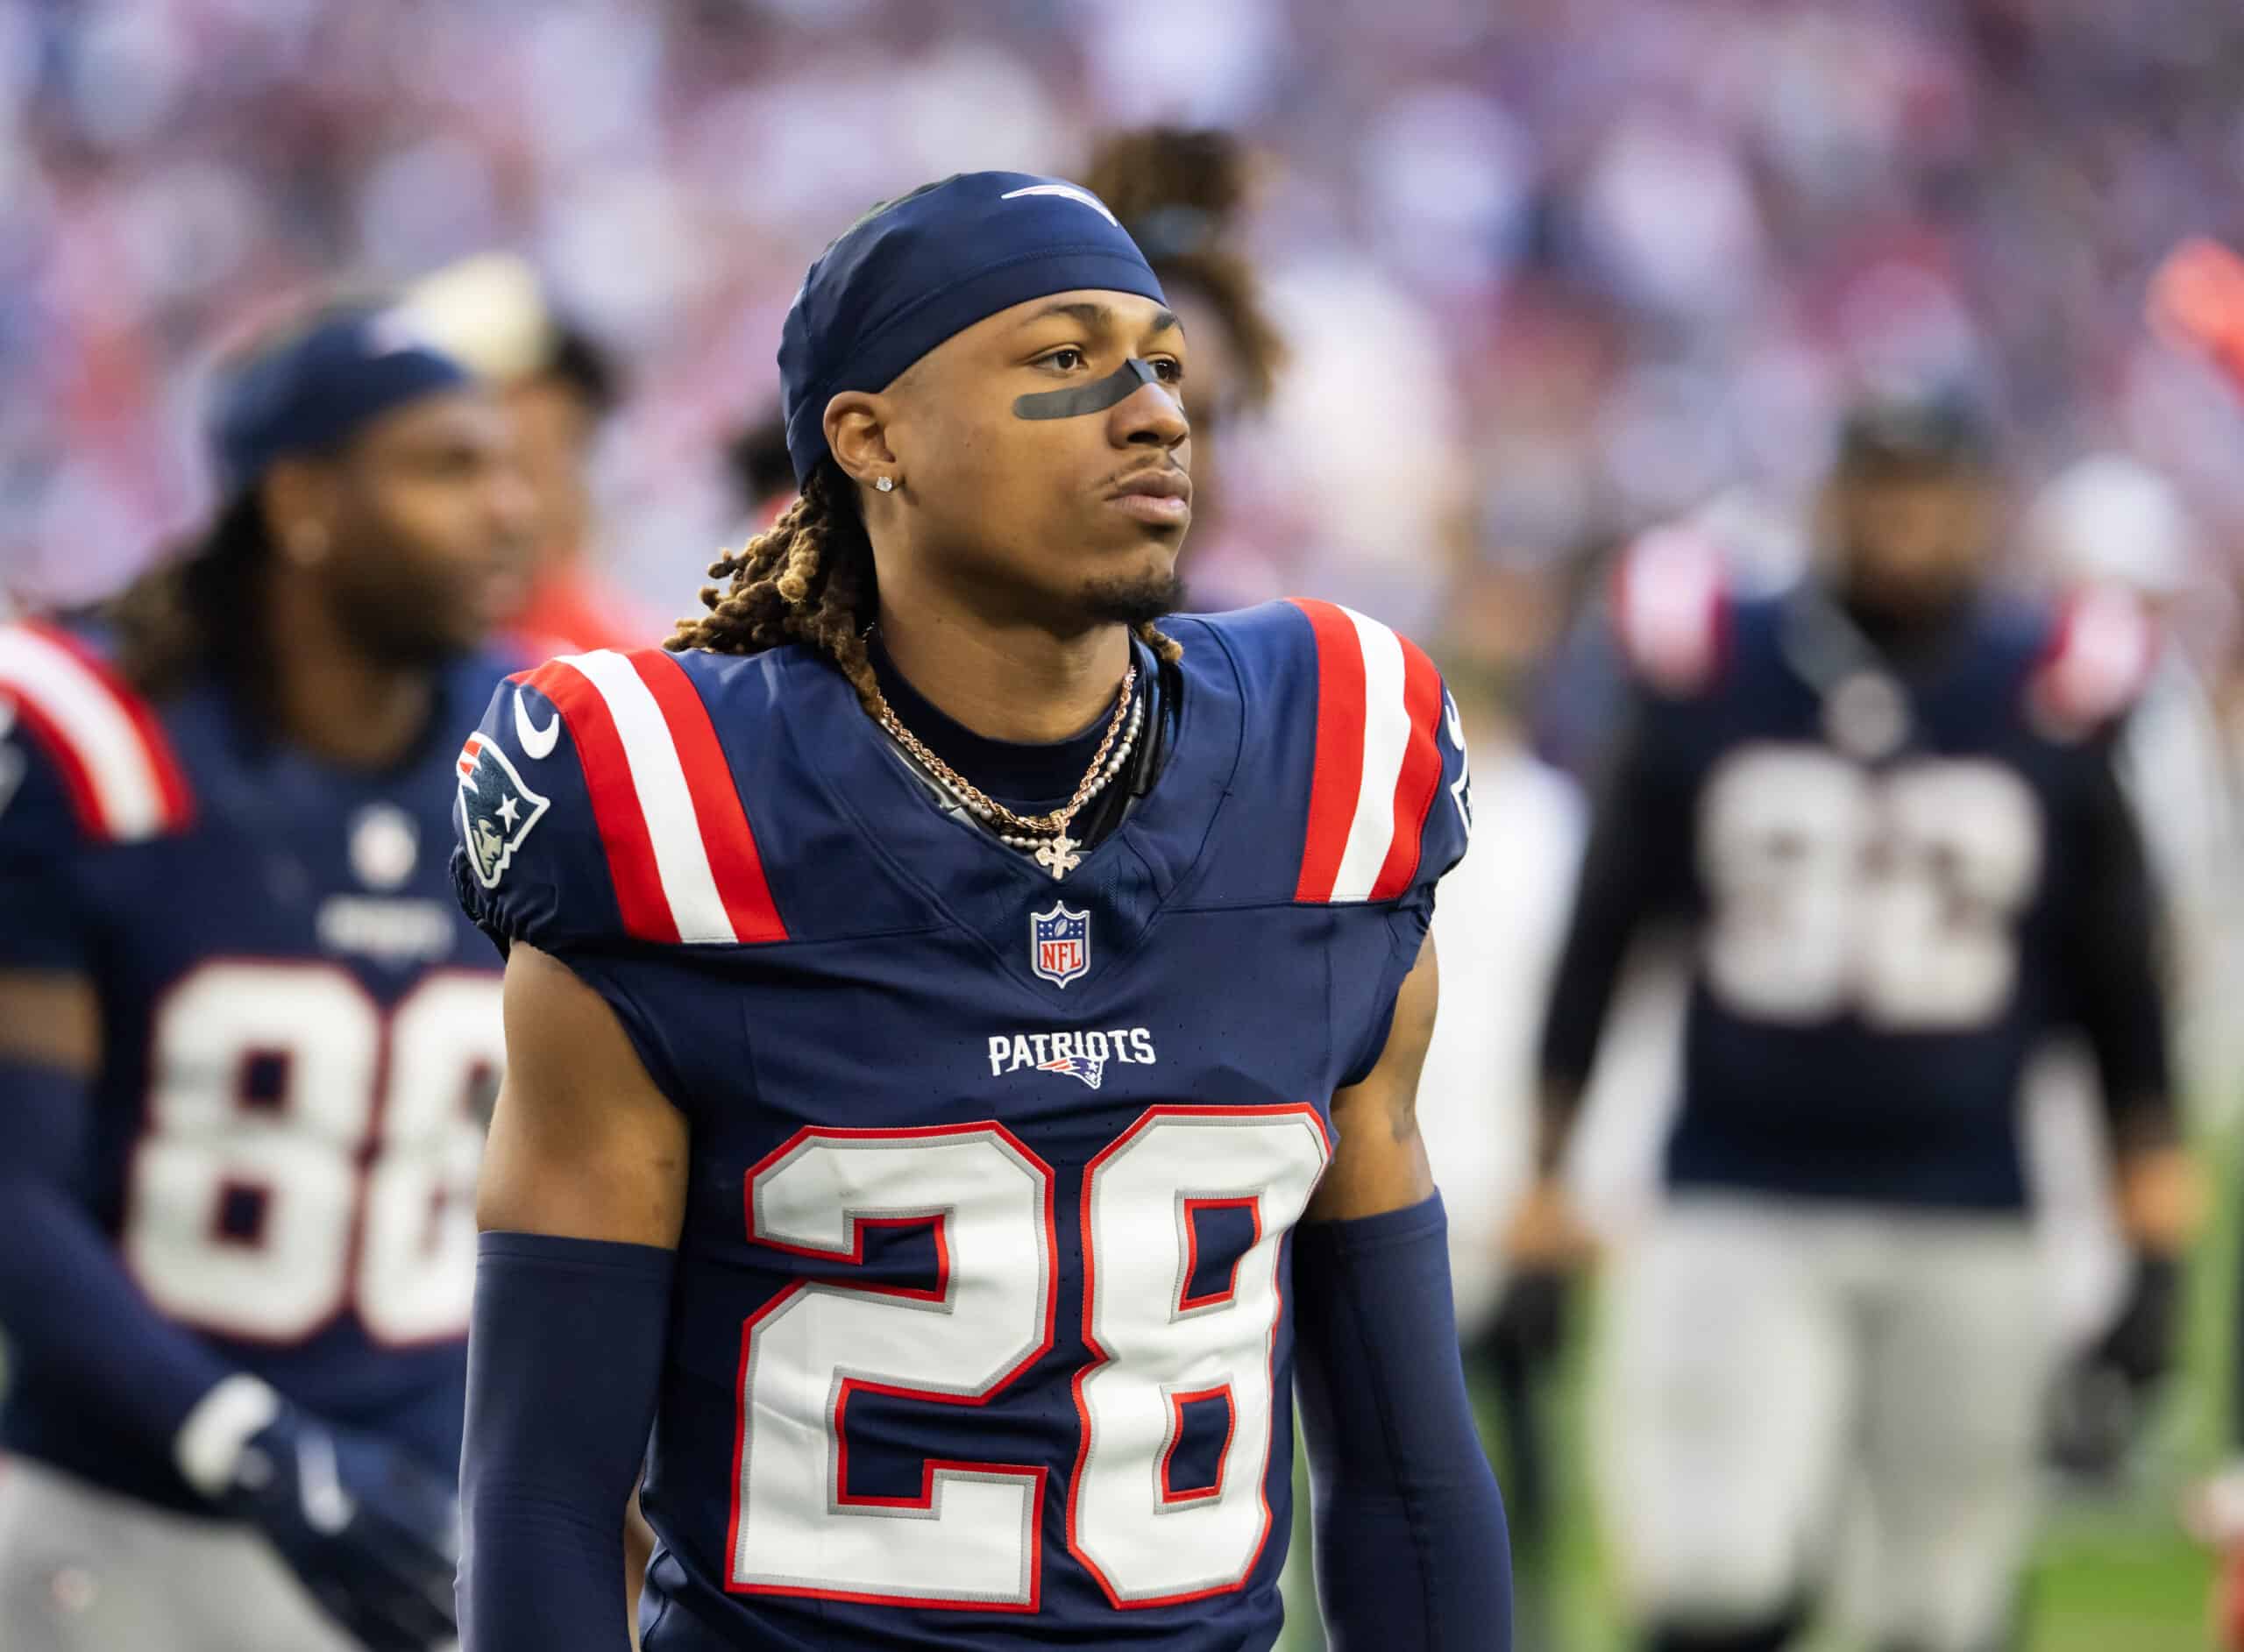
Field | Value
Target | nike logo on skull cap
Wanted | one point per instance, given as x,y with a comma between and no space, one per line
1066,192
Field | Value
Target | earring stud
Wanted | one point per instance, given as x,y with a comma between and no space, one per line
887,484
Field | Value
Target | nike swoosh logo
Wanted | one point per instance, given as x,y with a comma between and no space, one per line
537,743
328,1507
1066,192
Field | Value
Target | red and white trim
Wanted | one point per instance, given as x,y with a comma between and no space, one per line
2100,653
1668,593
680,852
1379,707
125,781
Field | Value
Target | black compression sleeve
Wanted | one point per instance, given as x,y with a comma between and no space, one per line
1635,834
2114,988
563,1361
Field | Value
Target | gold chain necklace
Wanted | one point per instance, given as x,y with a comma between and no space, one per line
1058,856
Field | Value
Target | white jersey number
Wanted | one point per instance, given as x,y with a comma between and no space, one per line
306,1154
1893,895
972,1536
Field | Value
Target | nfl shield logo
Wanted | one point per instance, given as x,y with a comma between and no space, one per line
1059,943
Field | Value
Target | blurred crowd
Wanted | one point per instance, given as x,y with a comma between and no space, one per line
1551,270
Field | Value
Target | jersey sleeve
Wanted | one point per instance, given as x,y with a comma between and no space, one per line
529,864
85,767
598,822
2101,647
43,922
1389,792
1389,801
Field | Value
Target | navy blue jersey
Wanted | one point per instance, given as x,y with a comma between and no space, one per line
300,1032
980,1335
1902,866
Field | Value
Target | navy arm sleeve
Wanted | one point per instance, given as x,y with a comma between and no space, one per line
1412,1553
564,1357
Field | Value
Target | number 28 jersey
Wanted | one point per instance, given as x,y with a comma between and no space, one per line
299,1034
980,1334
1900,878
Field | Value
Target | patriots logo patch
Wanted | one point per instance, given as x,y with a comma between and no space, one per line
497,809
1091,1069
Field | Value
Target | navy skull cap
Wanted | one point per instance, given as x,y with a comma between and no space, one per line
319,387
917,270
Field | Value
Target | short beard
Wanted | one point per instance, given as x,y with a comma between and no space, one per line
399,629
1133,601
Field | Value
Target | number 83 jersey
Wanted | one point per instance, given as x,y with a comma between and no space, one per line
980,1333
1903,866
300,1035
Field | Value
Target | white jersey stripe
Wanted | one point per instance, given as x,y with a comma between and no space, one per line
681,857
100,733
1387,734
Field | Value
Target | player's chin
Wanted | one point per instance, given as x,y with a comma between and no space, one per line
1136,597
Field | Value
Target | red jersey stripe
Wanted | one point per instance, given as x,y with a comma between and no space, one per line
163,762
1420,773
726,834
1338,776
616,810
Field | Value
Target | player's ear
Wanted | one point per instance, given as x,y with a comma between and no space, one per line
856,430
300,509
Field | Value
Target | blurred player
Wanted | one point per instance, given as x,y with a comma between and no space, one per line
245,1035
1886,806
492,313
934,994
1176,191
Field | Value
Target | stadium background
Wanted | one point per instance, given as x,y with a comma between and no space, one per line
1550,271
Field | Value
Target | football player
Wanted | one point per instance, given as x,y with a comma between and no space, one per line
243,1032
1884,803
965,1035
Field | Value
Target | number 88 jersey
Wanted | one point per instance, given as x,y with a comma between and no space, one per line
1902,870
980,1333
299,1037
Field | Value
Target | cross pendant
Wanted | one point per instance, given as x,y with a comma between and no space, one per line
1059,856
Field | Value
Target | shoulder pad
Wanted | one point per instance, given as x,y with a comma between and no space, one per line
2100,649
111,753
640,808
1671,610
1381,764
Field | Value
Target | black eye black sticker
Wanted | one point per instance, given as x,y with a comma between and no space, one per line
1078,399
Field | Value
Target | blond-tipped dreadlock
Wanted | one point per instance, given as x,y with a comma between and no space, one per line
809,578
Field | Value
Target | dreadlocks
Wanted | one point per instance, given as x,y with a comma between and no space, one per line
198,610
1177,192
809,579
